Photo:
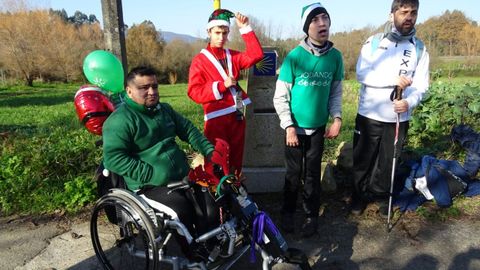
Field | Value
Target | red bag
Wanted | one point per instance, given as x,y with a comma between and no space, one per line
93,107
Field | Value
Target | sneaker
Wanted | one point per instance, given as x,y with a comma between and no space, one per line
358,206
383,209
287,223
309,228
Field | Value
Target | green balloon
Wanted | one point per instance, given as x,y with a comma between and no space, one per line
103,69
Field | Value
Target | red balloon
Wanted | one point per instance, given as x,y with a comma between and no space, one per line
93,107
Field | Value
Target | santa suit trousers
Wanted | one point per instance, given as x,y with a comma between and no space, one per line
228,128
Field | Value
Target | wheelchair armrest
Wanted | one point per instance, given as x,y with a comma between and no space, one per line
182,184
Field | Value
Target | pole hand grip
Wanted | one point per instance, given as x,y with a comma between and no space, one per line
396,93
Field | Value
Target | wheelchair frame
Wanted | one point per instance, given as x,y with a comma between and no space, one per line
156,229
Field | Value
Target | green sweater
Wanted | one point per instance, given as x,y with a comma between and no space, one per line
140,145
311,77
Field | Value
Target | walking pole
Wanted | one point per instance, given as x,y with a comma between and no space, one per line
396,95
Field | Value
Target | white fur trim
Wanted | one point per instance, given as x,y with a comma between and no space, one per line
214,61
214,23
216,93
225,111
221,112
246,29
229,62
233,91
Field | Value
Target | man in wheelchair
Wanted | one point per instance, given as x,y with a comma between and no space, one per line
139,145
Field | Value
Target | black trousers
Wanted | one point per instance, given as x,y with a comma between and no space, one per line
304,161
196,210
373,148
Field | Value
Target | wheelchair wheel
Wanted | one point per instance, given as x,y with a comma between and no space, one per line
122,235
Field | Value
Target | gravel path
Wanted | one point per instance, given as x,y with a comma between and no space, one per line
343,242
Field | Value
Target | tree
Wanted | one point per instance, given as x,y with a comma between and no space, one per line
60,13
350,43
176,60
92,19
42,44
428,32
78,18
65,58
21,35
470,39
284,46
144,45
264,34
451,24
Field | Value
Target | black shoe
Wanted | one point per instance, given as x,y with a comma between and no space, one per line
383,209
287,223
309,228
358,206
197,252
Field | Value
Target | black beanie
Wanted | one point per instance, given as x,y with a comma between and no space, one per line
310,11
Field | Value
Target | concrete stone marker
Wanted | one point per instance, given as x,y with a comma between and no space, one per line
263,162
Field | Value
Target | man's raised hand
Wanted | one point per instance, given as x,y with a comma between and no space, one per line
242,20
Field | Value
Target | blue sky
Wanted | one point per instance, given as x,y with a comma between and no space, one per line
190,16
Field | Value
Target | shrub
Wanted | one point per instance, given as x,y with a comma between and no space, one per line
42,173
446,105
48,160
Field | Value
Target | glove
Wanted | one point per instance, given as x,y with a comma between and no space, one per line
221,155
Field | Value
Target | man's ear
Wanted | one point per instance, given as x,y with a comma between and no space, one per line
128,89
209,35
390,17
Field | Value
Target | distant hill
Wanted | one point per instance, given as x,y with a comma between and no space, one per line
169,36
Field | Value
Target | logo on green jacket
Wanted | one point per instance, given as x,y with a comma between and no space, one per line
315,78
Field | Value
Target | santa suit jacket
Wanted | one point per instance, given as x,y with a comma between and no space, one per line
206,76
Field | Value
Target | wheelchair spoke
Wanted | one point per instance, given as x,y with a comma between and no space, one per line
119,240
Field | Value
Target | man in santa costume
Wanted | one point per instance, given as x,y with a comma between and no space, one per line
213,82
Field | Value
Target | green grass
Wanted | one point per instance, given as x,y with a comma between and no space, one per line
47,159
176,95
349,111
462,207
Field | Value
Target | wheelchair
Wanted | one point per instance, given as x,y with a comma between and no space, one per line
130,231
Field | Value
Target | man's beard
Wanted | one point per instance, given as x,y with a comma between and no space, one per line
151,101
404,30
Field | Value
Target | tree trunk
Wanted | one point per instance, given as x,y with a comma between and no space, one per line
172,77
29,81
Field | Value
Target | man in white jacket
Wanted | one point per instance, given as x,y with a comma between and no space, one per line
394,59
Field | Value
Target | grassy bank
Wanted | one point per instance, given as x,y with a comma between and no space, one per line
47,159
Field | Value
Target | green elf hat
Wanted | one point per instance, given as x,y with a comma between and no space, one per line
220,17
310,11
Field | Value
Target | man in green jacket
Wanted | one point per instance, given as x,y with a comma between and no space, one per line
139,144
